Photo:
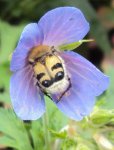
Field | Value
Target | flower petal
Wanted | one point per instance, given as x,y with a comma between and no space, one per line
63,25
27,101
89,75
30,37
76,104
87,82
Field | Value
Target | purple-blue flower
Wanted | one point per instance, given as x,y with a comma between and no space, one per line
57,27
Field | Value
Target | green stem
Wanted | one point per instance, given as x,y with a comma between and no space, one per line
46,131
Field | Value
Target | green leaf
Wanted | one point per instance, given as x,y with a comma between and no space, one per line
110,135
101,117
68,144
5,140
4,83
37,134
82,146
57,119
108,98
9,37
61,135
73,45
110,91
14,131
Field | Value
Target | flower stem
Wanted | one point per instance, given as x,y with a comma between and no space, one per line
46,131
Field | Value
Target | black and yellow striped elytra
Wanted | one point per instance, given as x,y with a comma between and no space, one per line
49,70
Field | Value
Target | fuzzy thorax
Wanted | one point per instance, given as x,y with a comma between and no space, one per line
38,51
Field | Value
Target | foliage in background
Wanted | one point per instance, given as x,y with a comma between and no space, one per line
21,12
93,133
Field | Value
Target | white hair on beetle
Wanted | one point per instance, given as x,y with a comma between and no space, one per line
61,85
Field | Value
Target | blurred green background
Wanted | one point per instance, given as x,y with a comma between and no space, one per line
55,131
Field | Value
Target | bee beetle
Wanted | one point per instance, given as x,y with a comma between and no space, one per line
49,71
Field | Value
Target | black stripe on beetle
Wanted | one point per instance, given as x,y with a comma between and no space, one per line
40,75
56,66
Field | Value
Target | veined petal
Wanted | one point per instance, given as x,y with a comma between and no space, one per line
27,101
89,75
87,82
75,104
63,25
30,37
